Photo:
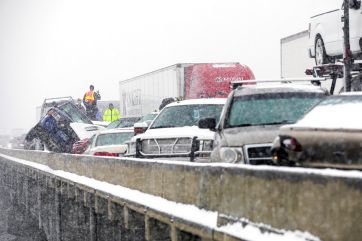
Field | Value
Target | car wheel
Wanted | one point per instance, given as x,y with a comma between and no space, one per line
34,144
320,52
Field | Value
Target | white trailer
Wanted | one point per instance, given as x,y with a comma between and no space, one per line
143,94
295,60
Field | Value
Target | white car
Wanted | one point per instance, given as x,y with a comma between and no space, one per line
326,32
109,142
174,133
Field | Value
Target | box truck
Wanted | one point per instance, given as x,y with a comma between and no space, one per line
143,94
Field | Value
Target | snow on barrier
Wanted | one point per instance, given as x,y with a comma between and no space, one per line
325,203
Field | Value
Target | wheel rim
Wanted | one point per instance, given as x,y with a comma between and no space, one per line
319,52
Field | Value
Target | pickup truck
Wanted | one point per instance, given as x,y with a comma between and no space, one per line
326,33
174,134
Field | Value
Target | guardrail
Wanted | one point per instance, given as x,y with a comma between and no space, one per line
322,202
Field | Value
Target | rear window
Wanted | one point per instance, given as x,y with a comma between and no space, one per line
270,108
113,138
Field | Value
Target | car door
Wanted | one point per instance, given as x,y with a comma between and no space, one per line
333,27
355,29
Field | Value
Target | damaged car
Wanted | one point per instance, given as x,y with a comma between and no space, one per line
60,128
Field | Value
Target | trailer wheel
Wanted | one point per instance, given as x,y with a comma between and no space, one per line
320,52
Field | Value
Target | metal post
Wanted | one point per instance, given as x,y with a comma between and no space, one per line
347,55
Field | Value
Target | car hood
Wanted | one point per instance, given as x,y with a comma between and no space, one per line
111,149
186,131
250,135
85,130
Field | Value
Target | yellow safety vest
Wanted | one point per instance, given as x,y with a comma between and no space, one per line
89,97
111,115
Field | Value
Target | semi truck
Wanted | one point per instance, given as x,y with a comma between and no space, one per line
143,94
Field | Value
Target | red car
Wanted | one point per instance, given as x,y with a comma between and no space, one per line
80,146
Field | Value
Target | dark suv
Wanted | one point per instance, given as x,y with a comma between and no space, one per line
252,116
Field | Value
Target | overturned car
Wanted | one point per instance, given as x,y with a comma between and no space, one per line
60,128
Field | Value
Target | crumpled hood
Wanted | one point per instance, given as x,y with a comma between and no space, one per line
241,136
85,130
186,131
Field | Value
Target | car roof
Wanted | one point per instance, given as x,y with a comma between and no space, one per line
203,101
278,88
116,130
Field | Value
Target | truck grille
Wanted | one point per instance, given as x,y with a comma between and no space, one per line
258,154
168,146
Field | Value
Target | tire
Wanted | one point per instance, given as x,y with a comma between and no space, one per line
34,144
356,83
320,52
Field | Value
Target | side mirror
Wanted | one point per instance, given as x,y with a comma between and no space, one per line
140,128
354,4
207,123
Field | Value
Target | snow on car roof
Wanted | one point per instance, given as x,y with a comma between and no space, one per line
278,88
204,101
335,112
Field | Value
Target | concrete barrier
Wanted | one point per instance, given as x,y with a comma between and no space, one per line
324,204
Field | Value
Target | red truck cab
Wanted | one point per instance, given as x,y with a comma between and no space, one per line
213,80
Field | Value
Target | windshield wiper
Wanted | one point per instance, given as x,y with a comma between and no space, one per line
241,125
277,123
165,126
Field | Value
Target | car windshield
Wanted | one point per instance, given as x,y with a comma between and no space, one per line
149,116
123,122
74,113
113,138
270,109
186,115
335,112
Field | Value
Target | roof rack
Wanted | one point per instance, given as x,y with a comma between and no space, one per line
313,81
334,71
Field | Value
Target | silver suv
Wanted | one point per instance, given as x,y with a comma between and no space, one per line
252,116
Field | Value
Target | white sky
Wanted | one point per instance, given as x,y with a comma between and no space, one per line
53,48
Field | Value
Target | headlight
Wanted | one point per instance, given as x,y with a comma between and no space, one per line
207,145
231,155
131,148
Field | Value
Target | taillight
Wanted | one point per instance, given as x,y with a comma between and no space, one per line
291,143
105,154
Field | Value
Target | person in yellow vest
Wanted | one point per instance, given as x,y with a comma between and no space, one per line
111,114
90,102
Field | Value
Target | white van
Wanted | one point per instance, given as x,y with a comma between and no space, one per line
326,33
